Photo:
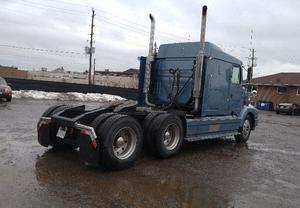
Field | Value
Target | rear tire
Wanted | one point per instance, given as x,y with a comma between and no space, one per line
8,99
121,139
147,124
99,120
245,131
166,135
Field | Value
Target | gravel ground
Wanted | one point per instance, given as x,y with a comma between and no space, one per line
216,173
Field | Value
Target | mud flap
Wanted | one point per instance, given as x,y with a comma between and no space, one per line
87,153
44,135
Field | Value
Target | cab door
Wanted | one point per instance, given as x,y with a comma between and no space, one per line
216,88
236,91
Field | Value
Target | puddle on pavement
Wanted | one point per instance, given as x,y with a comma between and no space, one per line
162,186
125,188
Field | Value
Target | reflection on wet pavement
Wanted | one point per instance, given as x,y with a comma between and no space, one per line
213,173
150,183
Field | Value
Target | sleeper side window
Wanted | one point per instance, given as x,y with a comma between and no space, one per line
236,75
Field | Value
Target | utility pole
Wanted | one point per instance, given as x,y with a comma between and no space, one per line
251,60
91,50
251,65
94,71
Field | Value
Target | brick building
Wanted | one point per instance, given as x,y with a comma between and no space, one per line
277,88
13,72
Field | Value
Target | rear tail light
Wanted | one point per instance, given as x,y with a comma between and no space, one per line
7,91
93,139
94,143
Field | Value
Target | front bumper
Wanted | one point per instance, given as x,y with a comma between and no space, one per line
82,136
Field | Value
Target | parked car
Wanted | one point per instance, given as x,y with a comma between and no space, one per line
5,90
288,108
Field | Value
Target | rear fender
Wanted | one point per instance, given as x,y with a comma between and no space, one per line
44,135
87,153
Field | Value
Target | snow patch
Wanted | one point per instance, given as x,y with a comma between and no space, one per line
69,96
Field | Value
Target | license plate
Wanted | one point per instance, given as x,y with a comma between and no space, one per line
61,133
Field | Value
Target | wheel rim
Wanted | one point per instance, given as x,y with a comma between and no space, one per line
171,136
246,128
124,143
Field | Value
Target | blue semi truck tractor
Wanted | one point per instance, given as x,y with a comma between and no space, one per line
187,91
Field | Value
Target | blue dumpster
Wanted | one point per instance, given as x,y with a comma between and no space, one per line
264,105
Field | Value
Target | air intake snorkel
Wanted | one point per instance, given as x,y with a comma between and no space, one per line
199,62
148,63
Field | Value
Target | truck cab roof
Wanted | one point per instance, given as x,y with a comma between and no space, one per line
191,49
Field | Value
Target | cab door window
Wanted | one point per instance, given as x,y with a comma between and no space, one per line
236,75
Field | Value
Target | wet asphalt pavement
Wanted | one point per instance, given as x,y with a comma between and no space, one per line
216,173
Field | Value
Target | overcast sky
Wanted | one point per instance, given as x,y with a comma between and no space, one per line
37,34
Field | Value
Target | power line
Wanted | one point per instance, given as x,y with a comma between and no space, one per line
71,3
105,20
50,6
46,7
32,57
56,51
76,12
25,16
135,29
138,26
119,24
119,17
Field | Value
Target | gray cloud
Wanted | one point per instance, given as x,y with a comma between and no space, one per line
121,32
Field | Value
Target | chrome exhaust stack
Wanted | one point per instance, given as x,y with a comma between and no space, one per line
199,62
148,62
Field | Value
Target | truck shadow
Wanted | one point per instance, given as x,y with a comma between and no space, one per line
209,145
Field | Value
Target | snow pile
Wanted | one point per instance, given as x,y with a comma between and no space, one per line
69,96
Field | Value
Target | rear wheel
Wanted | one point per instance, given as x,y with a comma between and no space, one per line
99,120
147,124
8,99
121,140
167,135
245,131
